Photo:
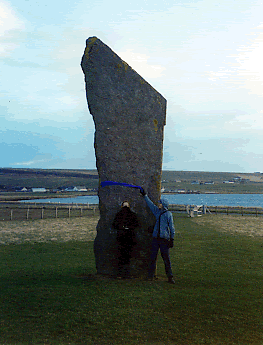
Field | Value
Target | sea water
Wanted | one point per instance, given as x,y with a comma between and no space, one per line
245,200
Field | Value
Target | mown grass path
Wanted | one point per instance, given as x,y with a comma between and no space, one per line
50,293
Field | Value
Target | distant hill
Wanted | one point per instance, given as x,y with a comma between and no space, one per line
210,176
12,178
212,182
47,178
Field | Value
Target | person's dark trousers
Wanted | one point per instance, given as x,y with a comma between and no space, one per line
161,244
124,261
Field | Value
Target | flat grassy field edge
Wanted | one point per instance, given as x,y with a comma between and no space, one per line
50,293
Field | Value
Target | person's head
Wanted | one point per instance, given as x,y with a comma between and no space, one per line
125,204
163,204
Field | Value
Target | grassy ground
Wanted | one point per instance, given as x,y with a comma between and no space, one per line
48,230
50,293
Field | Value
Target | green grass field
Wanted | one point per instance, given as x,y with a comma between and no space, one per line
217,298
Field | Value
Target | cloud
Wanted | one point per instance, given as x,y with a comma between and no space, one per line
139,62
68,101
9,22
248,121
30,163
245,68
8,19
249,64
213,154
40,93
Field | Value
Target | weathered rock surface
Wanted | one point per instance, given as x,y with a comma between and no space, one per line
129,116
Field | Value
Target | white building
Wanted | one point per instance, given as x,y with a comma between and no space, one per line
39,190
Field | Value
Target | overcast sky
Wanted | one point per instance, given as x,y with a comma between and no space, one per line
205,57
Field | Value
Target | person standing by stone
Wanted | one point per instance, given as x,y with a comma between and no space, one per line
163,236
125,222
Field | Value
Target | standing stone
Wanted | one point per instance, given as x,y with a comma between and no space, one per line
129,116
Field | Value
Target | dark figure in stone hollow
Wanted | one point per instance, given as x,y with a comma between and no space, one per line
125,222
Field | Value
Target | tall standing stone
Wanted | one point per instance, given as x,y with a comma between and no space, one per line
129,116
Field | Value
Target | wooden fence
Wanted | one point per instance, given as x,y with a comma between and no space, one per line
31,212
197,210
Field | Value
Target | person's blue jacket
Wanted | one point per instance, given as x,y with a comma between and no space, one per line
165,220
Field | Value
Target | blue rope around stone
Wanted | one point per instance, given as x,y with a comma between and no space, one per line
112,183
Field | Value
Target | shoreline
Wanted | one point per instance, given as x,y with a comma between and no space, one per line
4,198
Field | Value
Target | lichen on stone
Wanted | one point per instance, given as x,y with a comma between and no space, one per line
123,64
155,123
90,43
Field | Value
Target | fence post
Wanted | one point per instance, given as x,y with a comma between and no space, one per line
69,211
81,212
11,215
56,212
42,213
27,214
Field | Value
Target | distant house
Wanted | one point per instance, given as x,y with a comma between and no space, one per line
24,189
76,189
80,189
195,182
69,189
39,190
